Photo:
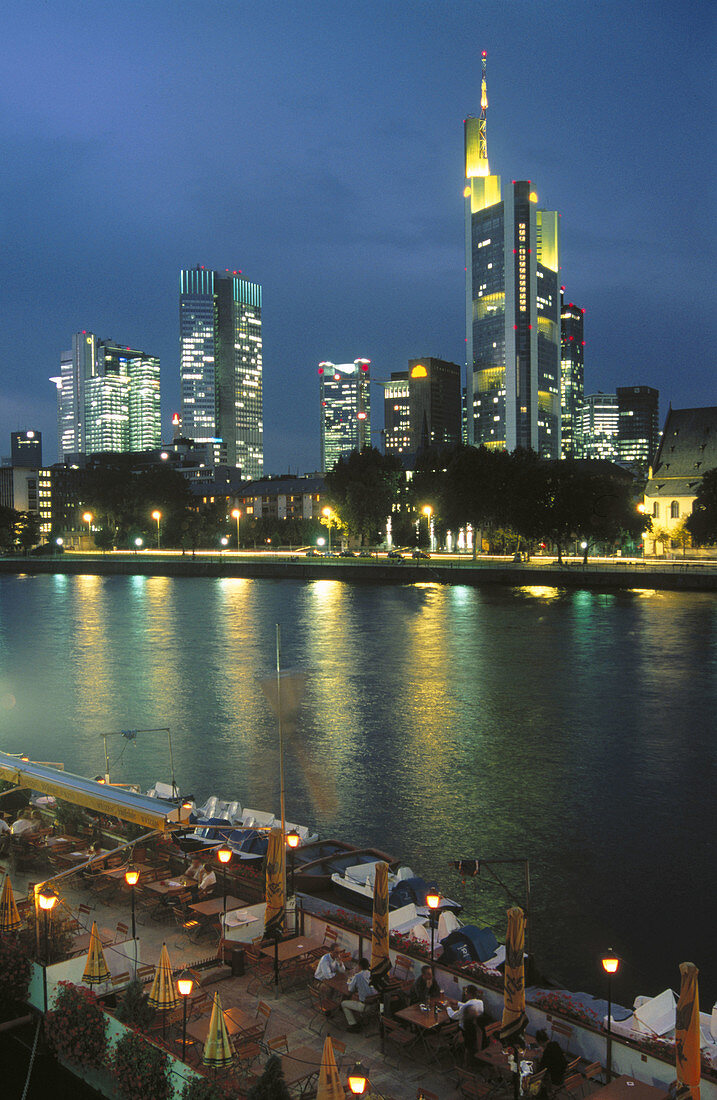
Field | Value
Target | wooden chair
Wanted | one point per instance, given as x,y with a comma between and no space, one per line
572,1085
199,1006
403,969
562,1033
145,973
534,1084
321,1008
339,1051
331,935
397,1037
278,1045
470,1085
592,1070
118,981
246,1053
492,1030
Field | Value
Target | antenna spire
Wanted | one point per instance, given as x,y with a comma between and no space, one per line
483,150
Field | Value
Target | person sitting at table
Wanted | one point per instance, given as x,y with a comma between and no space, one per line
470,1005
424,987
553,1060
360,989
472,1026
207,881
330,964
195,870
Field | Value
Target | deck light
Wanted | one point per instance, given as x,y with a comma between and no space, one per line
357,1080
293,838
610,963
433,899
185,985
131,876
47,898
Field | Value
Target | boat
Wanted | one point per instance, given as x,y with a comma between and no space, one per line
315,876
355,885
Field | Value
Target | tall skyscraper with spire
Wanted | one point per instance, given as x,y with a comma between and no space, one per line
512,305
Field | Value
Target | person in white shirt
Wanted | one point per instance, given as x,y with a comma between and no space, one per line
329,965
208,881
195,870
470,1005
360,986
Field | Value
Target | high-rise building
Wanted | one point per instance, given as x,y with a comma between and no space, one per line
572,348
599,420
345,405
107,398
422,406
638,427
221,364
26,449
512,306
396,414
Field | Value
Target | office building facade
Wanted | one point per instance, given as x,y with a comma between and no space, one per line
345,409
108,398
422,406
221,364
26,449
599,426
396,414
512,307
572,374
638,427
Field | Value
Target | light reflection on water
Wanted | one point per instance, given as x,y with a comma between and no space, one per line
437,723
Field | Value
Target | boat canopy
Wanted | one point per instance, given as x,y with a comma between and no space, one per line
153,813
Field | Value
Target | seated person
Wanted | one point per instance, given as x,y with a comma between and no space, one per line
472,1024
470,1005
207,881
330,964
361,990
195,871
553,1061
424,987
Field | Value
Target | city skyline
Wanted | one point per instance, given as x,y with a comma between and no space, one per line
341,194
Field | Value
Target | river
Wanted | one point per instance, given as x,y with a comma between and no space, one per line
437,722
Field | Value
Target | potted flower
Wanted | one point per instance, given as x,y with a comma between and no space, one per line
14,973
140,1069
76,1028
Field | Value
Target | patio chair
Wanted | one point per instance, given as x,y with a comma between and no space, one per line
402,969
321,1007
397,1037
562,1034
592,1070
246,1053
278,1045
471,1087
534,1084
262,971
571,1086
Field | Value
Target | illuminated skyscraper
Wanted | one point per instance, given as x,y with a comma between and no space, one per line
422,406
599,419
396,414
512,306
221,364
638,432
108,398
572,348
345,405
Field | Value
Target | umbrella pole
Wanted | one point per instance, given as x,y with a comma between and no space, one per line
276,961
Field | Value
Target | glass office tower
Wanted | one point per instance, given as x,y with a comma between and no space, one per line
572,375
345,409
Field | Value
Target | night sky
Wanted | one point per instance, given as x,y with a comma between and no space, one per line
318,148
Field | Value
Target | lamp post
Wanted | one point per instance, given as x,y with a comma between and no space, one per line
428,513
321,542
88,517
358,1082
236,514
48,899
327,513
137,545
184,985
224,854
610,964
433,900
292,839
223,543
158,516
131,876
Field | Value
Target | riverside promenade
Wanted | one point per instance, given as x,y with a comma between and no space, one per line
601,574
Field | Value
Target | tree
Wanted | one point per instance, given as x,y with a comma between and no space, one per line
476,482
8,519
27,529
362,489
271,1085
702,524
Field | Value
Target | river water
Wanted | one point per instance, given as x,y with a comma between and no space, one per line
436,722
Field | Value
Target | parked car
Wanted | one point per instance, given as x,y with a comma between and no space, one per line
420,554
313,554
365,554
347,554
395,555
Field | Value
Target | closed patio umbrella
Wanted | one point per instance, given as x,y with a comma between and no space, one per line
380,957
163,994
96,971
218,1053
330,1087
514,1019
9,916
687,1031
275,914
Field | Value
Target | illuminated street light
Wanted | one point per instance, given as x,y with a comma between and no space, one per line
428,513
131,876
223,542
293,840
236,514
321,542
433,900
138,544
47,899
357,1080
88,517
158,516
224,854
185,985
610,964
328,513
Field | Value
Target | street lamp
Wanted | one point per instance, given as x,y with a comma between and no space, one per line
184,984
433,900
137,544
224,854
236,514
87,517
327,513
48,899
321,542
293,840
428,513
131,877
157,515
610,964
357,1080
223,542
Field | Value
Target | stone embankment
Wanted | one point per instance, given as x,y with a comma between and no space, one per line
597,575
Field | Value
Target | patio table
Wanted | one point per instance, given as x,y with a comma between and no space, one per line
628,1088
289,951
199,1029
300,1067
214,906
166,887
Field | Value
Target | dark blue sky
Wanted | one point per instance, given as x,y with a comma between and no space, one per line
318,147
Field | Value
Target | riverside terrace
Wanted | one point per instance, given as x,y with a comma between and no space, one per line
402,1057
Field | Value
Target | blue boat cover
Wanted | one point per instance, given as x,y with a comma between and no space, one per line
469,944
254,843
410,890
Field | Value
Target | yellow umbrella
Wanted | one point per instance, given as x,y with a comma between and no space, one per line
380,957
687,1031
330,1087
96,971
9,916
275,914
163,993
218,1051
514,1019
